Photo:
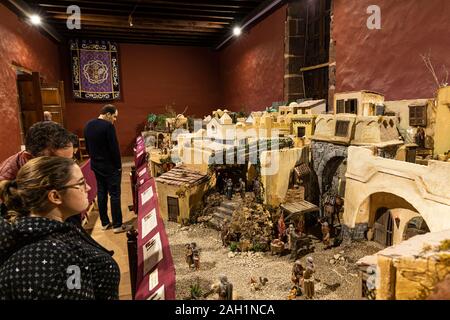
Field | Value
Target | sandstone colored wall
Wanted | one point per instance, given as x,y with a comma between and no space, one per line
276,168
426,188
442,129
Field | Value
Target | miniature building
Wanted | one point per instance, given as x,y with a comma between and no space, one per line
410,270
361,103
180,191
334,133
385,196
302,128
442,129
309,107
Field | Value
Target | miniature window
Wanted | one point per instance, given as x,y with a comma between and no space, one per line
213,129
351,106
341,128
340,106
301,132
417,115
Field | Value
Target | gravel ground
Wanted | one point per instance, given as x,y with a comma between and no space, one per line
333,281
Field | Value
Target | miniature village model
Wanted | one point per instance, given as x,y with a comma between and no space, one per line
297,202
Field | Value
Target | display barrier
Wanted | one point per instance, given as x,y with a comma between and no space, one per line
140,155
141,174
155,279
152,272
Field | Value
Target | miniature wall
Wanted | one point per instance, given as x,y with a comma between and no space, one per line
388,60
276,168
252,66
375,130
24,46
195,158
191,200
425,188
325,127
442,128
411,270
401,108
404,216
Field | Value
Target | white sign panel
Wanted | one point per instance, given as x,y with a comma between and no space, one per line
153,280
146,195
149,223
158,295
153,253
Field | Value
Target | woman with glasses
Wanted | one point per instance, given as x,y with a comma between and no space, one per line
41,255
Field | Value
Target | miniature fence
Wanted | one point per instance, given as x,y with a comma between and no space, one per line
152,272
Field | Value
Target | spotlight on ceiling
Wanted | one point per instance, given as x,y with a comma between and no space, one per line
35,19
237,31
130,20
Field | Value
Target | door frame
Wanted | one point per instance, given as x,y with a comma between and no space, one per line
169,205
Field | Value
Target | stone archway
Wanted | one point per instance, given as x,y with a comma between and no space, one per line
322,154
330,174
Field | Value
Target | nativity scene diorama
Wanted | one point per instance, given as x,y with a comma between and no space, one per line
313,204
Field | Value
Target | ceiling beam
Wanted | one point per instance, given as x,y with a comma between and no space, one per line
227,5
169,14
137,33
139,24
149,8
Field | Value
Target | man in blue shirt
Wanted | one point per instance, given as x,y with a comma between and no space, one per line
103,150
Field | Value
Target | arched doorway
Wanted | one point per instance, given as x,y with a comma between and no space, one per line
388,216
333,174
415,226
383,227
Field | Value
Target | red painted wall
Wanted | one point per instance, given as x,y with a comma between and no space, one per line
151,78
252,66
248,72
388,60
22,45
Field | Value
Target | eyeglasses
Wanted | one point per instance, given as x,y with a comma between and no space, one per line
80,185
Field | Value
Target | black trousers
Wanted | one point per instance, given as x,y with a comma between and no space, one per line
109,185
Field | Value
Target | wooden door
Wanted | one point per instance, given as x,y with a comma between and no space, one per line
383,228
53,101
173,208
29,89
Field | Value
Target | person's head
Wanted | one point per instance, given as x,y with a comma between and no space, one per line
109,113
75,142
51,187
48,138
47,116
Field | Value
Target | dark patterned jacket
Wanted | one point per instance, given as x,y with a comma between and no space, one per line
44,259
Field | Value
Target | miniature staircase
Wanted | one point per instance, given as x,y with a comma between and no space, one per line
224,211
